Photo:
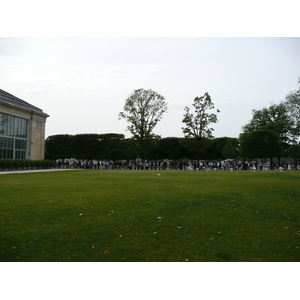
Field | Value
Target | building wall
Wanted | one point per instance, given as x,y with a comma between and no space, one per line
37,137
36,130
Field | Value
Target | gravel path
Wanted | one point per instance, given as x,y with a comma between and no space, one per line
34,171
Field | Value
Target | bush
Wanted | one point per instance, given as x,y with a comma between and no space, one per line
16,164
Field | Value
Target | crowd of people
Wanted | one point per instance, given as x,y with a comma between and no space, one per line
138,164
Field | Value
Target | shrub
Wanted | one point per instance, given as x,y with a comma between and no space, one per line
16,164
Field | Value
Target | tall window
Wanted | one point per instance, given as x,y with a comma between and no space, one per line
13,137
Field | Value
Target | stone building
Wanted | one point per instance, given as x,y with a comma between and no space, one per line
22,129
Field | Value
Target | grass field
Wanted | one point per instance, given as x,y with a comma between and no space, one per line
140,216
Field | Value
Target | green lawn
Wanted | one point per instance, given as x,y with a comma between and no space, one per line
110,215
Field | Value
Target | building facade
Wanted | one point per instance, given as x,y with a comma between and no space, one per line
22,129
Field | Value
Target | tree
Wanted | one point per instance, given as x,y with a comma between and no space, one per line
228,150
260,144
196,148
295,151
274,118
143,148
292,102
196,126
143,109
215,150
168,148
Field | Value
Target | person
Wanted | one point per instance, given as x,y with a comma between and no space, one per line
272,164
227,164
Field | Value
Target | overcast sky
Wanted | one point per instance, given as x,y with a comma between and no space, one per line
82,83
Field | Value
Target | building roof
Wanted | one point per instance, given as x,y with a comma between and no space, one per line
15,101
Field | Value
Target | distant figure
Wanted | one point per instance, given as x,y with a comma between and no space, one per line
272,164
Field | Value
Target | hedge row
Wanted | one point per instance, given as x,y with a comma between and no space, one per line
26,164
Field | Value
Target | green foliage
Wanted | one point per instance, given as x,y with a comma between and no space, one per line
228,150
260,144
16,164
195,148
128,149
143,109
215,150
196,126
59,146
86,146
295,151
143,148
112,146
292,103
275,118
169,148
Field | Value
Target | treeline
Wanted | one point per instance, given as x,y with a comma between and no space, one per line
273,132
115,146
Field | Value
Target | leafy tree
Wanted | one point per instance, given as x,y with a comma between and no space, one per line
195,148
143,148
128,149
295,151
292,102
274,118
228,150
168,148
196,126
143,109
215,150
260,144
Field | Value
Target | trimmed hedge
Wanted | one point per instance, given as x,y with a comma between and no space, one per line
26,164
